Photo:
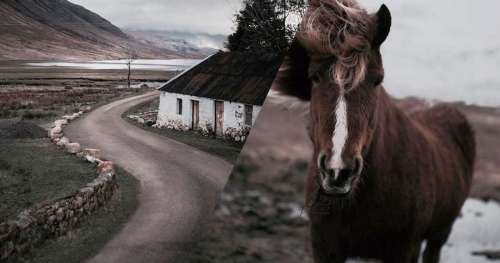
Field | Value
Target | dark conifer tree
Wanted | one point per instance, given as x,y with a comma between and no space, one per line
261,26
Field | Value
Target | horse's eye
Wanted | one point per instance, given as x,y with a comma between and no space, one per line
378,81
315,78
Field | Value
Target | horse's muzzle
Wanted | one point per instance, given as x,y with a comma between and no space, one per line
338,181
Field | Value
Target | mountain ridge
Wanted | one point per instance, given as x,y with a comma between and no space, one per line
61,30
183,42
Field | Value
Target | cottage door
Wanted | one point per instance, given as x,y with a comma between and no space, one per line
219,118
196,114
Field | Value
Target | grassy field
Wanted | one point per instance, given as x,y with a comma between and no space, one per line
33,170
225,149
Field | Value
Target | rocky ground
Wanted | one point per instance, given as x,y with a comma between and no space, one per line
259,221
260,217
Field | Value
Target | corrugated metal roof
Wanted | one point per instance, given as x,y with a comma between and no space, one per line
229,76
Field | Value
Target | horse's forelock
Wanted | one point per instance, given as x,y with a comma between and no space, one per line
339,28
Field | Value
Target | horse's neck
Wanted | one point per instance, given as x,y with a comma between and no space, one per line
392,129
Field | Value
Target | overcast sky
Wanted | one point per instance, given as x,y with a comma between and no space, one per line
206,16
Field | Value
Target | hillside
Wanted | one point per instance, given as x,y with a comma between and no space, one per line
61,30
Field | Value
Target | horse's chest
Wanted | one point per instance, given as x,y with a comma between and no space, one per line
364,224
368,237
363,228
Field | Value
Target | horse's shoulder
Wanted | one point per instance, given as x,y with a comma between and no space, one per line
442,115
447,121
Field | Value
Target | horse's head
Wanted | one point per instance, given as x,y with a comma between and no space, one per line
335,63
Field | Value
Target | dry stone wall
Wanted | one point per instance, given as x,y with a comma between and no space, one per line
55,219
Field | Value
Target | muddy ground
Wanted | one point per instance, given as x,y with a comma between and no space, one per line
261,217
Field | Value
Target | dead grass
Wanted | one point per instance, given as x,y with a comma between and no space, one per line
45,103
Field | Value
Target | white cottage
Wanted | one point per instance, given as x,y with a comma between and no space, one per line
223,94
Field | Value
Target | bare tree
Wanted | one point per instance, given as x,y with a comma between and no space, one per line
131,56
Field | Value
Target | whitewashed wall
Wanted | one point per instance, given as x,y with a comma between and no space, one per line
168,110
255,114
234,113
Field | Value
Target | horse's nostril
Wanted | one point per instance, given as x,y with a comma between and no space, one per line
322,163
358,166
344,174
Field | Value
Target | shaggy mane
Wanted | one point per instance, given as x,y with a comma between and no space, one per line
338,28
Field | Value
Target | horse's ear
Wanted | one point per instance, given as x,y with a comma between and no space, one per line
383,21
292,78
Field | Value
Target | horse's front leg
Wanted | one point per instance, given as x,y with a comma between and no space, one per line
326,249
405,254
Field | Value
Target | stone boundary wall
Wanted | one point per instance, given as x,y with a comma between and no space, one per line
50,220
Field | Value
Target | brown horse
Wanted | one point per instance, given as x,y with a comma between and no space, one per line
381,181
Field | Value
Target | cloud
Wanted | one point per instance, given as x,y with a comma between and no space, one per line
206,16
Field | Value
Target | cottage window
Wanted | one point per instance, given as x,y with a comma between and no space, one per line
179,106
248,114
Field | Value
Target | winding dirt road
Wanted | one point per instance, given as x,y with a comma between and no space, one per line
178,185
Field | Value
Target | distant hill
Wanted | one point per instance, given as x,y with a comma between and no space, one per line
61,30
194,44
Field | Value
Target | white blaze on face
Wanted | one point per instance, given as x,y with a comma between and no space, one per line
340,134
